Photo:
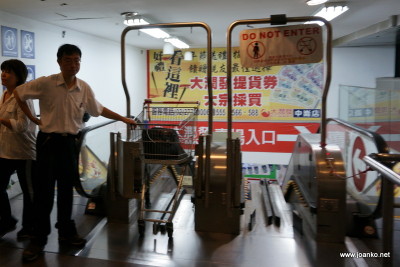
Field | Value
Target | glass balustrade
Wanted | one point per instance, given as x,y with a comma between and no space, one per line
94,155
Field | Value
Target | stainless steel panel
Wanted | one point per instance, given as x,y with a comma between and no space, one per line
320,194
130,168
216,208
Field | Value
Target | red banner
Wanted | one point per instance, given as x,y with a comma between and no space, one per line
264,136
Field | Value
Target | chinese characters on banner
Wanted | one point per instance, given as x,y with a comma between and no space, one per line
289,93
264,136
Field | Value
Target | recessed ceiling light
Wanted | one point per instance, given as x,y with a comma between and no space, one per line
315,2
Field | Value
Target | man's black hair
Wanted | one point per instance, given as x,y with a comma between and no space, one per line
18,67
68,49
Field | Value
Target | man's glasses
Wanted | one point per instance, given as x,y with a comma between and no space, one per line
71,61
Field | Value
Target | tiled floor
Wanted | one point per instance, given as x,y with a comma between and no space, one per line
113,244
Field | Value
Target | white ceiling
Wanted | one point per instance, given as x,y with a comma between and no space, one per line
103,17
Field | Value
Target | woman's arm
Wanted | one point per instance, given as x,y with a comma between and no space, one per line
24,106
6,122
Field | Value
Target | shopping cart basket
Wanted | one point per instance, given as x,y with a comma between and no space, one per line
167,131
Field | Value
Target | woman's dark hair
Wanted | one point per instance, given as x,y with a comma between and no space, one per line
68,49
18,67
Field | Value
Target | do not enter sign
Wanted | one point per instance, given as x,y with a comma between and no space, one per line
287,45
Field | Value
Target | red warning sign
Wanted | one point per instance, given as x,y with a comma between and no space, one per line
306,46
358,165
287,45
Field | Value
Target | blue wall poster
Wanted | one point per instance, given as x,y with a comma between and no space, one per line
31,73
27,44
9,41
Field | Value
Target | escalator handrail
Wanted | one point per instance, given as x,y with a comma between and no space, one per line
91,128
375,162
390,178
380,143
77,183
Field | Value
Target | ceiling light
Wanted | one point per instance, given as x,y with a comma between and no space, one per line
156,33
316,2
168,49
177,43
329,12
133,19
188,56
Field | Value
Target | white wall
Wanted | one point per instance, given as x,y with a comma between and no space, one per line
358,66
100,67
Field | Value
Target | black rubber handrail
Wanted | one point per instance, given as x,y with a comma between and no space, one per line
377,138
380,144
383,163
77,181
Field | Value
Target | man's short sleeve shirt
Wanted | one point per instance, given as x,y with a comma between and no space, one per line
61,109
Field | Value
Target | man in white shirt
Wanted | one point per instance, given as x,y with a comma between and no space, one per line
63,99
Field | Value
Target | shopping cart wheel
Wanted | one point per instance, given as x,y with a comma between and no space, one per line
170,228
155,228
141,227
162,228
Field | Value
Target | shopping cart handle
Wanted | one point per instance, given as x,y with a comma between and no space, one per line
149,101
158,124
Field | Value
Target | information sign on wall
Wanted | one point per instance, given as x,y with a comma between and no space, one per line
9,42
31,72
27,44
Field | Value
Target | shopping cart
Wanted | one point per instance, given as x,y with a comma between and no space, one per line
167,131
